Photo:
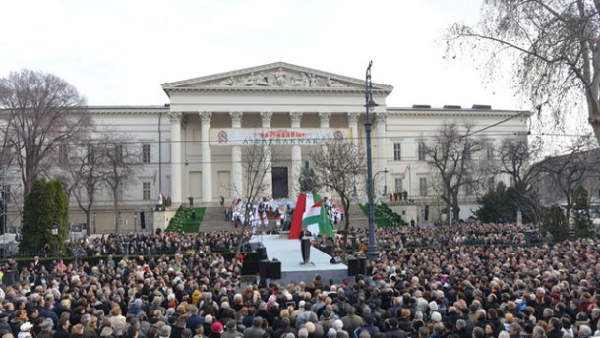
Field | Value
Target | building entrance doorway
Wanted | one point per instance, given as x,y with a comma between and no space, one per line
279,182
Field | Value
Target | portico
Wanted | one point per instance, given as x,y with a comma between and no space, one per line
284,107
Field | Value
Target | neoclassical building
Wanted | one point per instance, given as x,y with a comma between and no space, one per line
192,146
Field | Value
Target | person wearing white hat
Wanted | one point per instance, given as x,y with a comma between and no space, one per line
25,330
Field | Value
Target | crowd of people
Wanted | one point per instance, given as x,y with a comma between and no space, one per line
477,281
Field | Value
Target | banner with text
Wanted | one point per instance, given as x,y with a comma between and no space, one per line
276,136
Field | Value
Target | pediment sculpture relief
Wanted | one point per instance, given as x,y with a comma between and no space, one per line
279,78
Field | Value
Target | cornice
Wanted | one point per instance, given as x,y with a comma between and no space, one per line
277,89
456,112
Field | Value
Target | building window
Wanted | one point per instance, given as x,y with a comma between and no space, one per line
421,151
490,150
398,185
146,191
423,186
491,183
469,189
90,153
5,194
146,153
63,154
397,151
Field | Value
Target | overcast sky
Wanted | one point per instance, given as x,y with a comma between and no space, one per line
120,52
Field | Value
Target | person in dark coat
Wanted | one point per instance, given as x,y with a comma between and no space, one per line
63,329
555,328
392,330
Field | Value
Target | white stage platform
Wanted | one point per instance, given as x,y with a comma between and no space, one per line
287,251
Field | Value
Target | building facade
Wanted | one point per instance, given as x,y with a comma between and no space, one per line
191,147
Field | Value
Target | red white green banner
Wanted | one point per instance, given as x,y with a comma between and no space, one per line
278,136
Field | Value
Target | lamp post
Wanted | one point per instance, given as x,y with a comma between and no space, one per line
54,232
385,171
372,252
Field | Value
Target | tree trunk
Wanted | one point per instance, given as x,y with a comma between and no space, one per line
88,223
116,209
346,204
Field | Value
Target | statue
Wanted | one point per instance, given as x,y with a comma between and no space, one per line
307,179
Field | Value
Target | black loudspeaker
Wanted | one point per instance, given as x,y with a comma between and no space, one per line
362,265
353,266
275,269
335,260
264,268
262,252
142,220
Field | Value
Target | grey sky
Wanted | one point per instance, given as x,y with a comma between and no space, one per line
119,52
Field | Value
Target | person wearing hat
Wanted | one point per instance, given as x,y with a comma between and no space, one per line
25,330
46,329
216,328
231,330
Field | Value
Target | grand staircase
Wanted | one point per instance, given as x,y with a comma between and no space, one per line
214,220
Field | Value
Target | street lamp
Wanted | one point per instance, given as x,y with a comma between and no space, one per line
54,232
370,104
385,171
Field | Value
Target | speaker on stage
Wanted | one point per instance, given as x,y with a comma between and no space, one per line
352,266
264,268
275,269
362,265
335,260
262,252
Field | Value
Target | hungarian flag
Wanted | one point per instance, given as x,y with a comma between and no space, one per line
315,219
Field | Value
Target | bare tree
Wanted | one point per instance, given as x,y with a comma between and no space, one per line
515,159
41,111
451,155
83,174
564,173
257,162
555,44
120,162
335,164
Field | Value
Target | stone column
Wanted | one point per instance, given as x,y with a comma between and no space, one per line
176,146
324,125
324,119
206,158
266,124
295,118
236,178
381,149
353,125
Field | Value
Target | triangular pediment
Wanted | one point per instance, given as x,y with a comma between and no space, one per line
274,76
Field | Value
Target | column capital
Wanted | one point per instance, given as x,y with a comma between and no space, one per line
324,117
266,118
176,117
205,116
353,118
236,119
381,117
295,118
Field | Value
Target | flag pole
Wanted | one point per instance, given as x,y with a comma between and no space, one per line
409,186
